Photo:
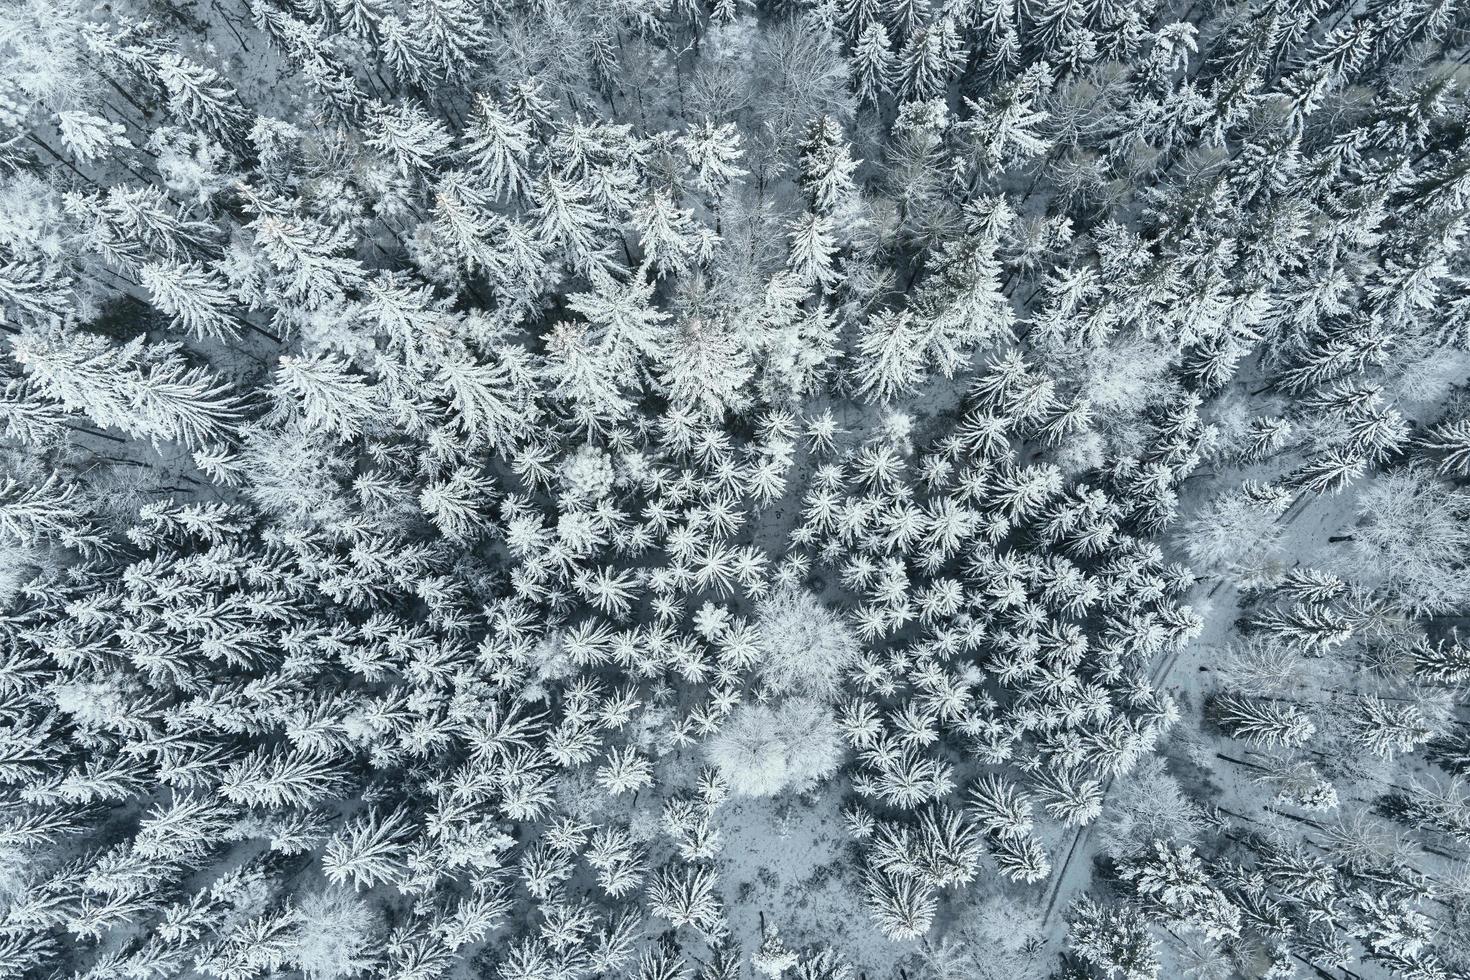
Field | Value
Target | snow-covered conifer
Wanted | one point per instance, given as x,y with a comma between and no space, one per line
197,300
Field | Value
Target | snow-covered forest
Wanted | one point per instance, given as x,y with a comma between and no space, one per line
729,490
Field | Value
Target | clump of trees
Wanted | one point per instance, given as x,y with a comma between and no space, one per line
458,457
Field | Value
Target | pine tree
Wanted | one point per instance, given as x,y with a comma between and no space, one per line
929,59
1387,728
856,16
293,778
813,250
1073,801
305,254
891,354
1330,472
408,136
581,374
403,52
47,511
1445,661
31,294
451,33
714,152
1266,722
905,17
685,896
964,305
1315,627
1001,132
493,403
666,232
1115,939
196,299
91,137
827,169
497,150
706,369
565,220
1450,443
369,850
196,95
903,907
146,391
458,505
873,64
1021,859
626,326
325,396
